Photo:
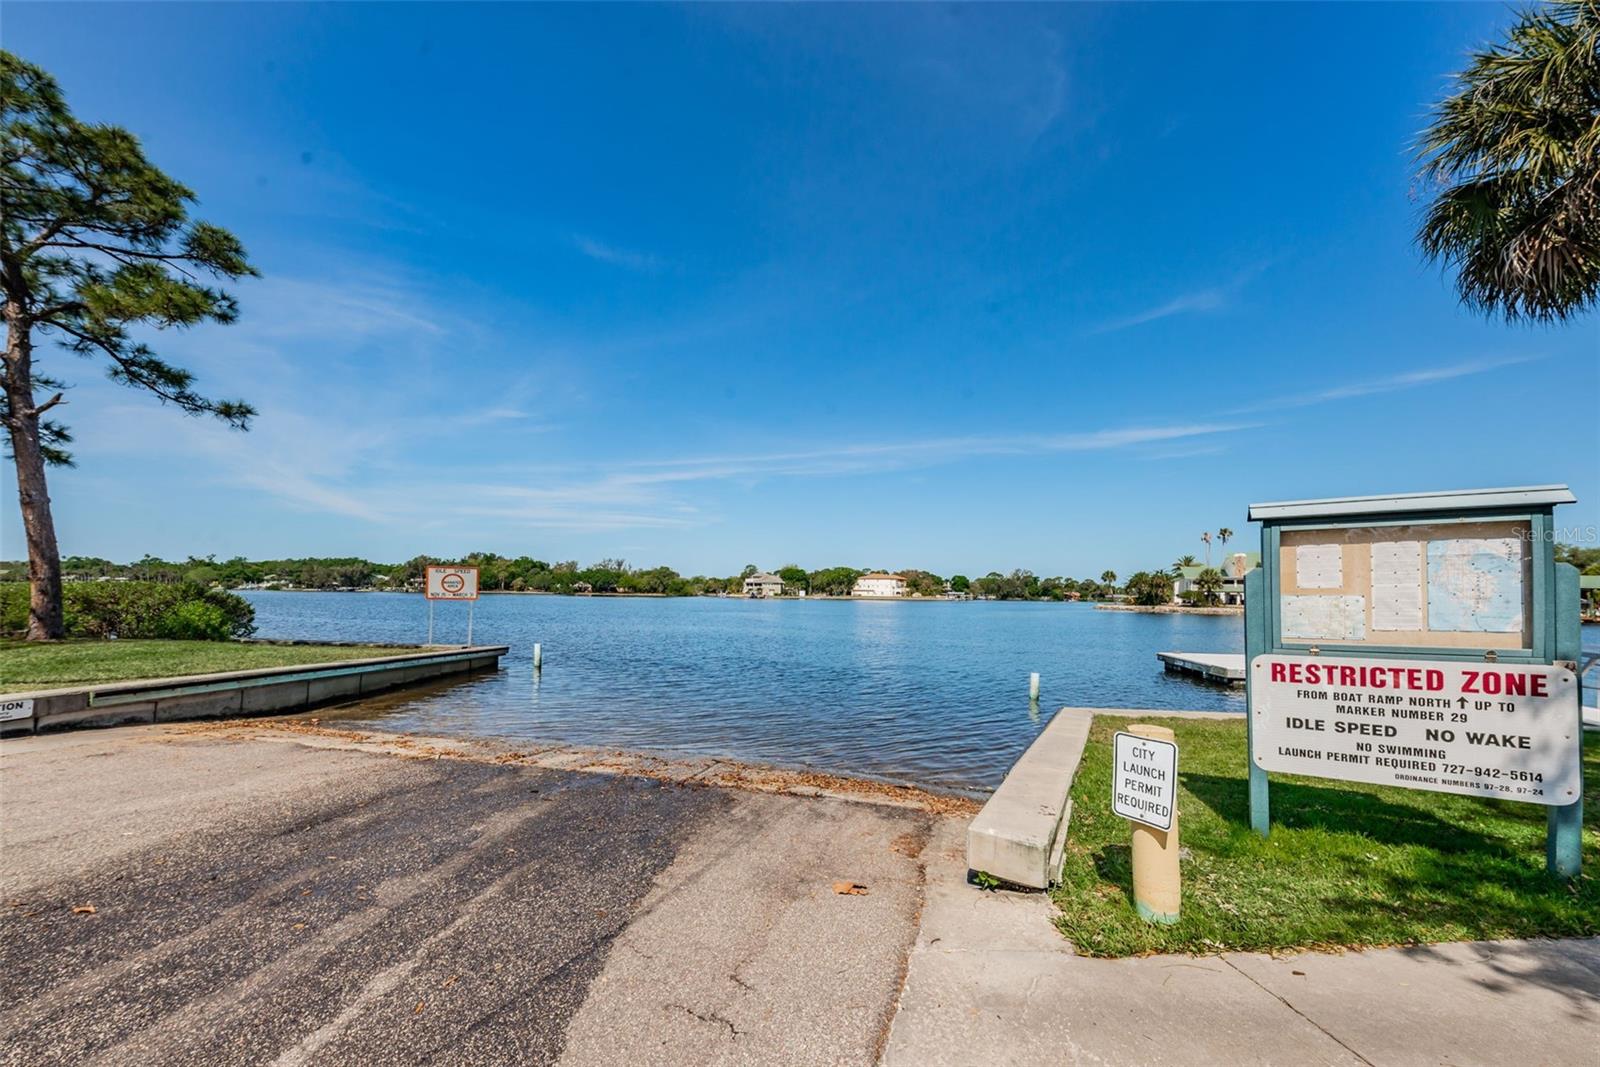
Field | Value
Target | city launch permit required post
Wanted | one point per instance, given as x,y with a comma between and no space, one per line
1144,790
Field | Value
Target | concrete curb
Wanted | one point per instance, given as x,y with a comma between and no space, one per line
1021,833
1023,825
259,691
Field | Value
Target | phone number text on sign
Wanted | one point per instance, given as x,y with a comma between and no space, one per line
1481,729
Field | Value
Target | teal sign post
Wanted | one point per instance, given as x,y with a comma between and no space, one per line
1425,641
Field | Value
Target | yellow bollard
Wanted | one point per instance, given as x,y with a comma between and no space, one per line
1157,889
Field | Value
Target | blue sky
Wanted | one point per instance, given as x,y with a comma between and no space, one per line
952,287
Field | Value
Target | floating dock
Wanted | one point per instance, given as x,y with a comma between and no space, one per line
1219,668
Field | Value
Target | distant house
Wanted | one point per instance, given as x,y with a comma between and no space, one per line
1233,568
879,584
763,585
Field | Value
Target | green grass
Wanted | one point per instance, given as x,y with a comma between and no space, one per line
1346,864
26,665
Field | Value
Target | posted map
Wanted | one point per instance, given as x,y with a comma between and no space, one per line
1324,618
1475,585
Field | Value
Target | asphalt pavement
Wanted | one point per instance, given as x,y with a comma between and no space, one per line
183,896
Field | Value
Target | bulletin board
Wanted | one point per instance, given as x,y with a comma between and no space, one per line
1424,585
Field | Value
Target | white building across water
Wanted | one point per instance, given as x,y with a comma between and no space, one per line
763,585
879,584
1233,568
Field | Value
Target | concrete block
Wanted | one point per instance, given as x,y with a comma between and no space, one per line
1018,833
199,706
46,707
83,715
322,690
268,699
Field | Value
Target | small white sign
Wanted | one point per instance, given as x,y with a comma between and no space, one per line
1144,782
1319,566
452,583
1508,730
15,709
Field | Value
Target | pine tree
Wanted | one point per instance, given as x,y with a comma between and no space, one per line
95,242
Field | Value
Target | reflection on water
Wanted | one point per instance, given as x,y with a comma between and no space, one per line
933,692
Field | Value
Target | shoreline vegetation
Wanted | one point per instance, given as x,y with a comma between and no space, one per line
524,574
1151,590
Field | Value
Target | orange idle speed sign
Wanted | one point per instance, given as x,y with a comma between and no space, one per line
452,583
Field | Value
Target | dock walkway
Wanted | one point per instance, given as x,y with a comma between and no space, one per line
1222,668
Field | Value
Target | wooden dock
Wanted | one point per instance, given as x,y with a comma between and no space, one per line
1219,668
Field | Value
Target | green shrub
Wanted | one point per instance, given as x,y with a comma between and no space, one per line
194,620
137,610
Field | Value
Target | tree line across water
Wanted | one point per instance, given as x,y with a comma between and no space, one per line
497,573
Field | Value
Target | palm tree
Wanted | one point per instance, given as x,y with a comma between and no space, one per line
1206,537
1110,578
1183,561
1209,584
1224,534
1512,159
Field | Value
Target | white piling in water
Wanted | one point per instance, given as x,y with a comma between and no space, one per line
538,658
1033,686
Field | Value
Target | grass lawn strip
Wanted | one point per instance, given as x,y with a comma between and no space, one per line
1346,864
54,665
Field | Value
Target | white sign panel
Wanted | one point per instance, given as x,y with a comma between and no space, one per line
1397,586
15,709
1144,782
1319,566
452,583
1480,729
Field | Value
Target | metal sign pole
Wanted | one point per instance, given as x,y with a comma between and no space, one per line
1255,644
470,605
1563,843
430,622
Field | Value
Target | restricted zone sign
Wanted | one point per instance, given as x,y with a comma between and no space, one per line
1480,729
1144,782
452,583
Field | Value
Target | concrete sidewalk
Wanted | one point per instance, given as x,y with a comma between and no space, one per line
990,981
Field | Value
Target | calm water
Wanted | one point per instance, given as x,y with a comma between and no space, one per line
935,693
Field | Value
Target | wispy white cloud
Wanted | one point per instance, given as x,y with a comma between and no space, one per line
1389,384
879,457
1199,300
642,492
602,252
330,466
281,308
1196,301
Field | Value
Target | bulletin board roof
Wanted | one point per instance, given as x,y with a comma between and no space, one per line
1450,500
